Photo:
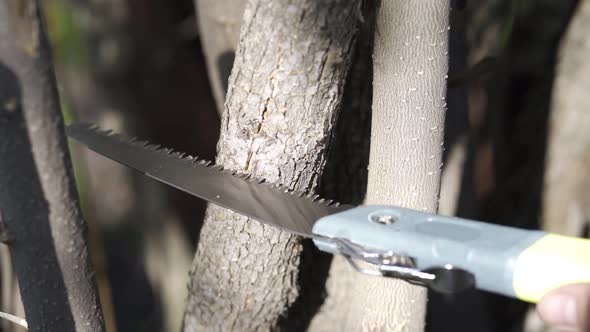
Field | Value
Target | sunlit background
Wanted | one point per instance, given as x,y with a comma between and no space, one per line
136,66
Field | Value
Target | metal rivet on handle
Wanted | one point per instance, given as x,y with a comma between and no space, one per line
382,218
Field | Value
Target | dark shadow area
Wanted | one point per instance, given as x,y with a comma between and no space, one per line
161,88
517,106
25,215
314,268
225,63
137,306
463,312
170,94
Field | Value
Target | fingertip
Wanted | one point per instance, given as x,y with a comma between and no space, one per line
567,307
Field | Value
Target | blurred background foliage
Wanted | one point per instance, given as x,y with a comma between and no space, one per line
69,43
137,66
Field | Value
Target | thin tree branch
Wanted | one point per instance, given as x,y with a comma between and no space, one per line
14,319
38,199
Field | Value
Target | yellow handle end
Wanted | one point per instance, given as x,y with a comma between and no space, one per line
551,262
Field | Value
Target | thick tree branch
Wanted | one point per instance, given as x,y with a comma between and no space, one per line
285,88
38,199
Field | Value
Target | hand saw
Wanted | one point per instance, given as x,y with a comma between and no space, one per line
447,254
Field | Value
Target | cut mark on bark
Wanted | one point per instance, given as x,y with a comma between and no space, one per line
258,130
329,58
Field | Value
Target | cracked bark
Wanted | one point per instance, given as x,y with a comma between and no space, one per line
284,91
38,199
409,67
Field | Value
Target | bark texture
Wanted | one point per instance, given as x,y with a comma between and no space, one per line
38,199
219,30
285,88
410,65
566,199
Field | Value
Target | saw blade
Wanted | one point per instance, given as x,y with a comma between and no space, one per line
269,203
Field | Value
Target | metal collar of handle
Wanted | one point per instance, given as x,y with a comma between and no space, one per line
447,279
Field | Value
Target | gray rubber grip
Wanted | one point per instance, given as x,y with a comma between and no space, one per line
488,251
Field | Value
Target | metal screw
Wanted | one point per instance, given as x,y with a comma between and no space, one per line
383,219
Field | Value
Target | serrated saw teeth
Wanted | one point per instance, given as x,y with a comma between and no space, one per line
271,203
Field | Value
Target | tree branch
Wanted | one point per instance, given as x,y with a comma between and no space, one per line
285,88
409,68
38,199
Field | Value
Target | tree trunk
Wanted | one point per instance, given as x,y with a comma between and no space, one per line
285,88
219,30
38,199
566,201
410,65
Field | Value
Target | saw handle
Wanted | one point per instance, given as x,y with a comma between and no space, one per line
551,262
510,261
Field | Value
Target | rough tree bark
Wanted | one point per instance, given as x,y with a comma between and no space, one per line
410,66
566,199
219,29
38,199
285,88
